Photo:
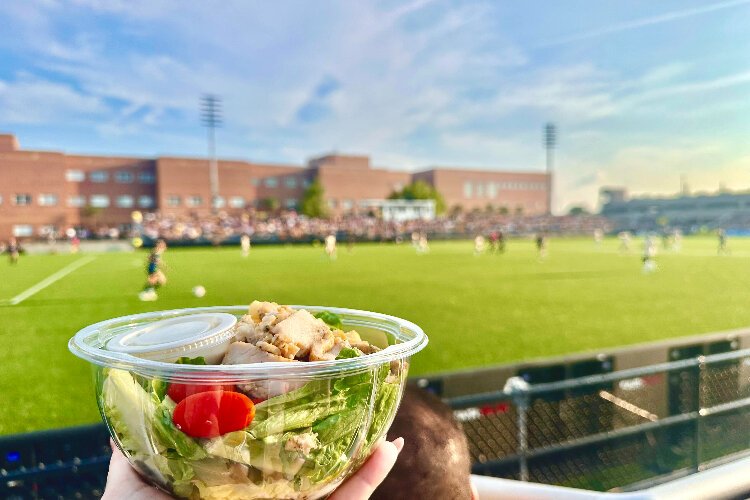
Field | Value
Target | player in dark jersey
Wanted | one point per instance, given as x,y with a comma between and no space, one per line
154,275
14,249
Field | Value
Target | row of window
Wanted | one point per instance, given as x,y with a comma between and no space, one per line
490,189
99,176
95,200
174,200
345,204
126,177
273,182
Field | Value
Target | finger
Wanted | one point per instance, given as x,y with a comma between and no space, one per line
363,483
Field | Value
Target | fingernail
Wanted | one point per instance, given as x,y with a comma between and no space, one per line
399,444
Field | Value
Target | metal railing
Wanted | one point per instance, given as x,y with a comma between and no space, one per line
621,431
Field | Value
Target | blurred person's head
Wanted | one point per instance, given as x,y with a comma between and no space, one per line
435,463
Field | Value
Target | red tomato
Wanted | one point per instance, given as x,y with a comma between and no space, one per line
213,413
178,392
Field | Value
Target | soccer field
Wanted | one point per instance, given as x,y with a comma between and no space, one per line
476,310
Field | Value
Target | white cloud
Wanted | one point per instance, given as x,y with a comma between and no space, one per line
34,101
645,22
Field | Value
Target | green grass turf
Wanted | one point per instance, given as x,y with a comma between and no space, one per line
476,310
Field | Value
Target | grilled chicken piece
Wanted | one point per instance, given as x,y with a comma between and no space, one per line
241,353
322,348
302,330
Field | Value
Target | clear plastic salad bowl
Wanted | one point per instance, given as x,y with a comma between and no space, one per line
319,423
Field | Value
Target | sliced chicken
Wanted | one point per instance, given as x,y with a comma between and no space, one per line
240,353
259,309
301,329
322,348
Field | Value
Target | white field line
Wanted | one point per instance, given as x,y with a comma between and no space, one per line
50,279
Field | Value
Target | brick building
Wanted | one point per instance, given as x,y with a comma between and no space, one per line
52,191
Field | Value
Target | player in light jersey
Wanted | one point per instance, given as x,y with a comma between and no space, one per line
479,245
649,255
331,246
624,238
423,246
245,245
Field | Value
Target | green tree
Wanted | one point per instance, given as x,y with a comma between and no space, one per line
313,200
420,190
271,204
578,210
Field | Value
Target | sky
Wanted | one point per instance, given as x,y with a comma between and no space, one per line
642,92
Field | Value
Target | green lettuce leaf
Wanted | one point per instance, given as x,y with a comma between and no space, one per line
332,319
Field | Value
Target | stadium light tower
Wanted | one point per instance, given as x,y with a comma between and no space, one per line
550,141
211,119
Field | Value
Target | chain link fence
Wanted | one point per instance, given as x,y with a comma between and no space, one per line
618,431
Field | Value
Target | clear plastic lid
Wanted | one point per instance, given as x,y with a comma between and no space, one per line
141,343
167,339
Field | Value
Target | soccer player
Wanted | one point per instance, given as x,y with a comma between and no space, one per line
245,245
501,242
598,237
331,246
723,250
541,245
478,245
494,241
423,246
624,238
14,249
677,240
649,254
155,277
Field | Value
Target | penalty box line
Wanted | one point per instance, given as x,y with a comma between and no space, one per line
50,280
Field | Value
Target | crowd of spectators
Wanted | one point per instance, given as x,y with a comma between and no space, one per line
291,226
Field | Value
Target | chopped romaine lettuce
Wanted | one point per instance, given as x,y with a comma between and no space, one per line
332,319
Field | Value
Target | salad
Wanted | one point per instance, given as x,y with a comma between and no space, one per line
260,438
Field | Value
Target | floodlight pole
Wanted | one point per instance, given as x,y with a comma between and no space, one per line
550,141
211,118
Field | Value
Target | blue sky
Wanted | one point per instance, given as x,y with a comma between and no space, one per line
642,91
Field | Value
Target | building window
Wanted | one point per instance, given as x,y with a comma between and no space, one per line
75,176
290,182
271,182
219,202
332,203
491,190
47,200
22,199
306,183
47,230
290,203
173,200
23,230
146,177
99,201
255,181
123,177
145,201
237,202
124,201
76,201
480,189
194,201
99,176
468,191
1,199
347,204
